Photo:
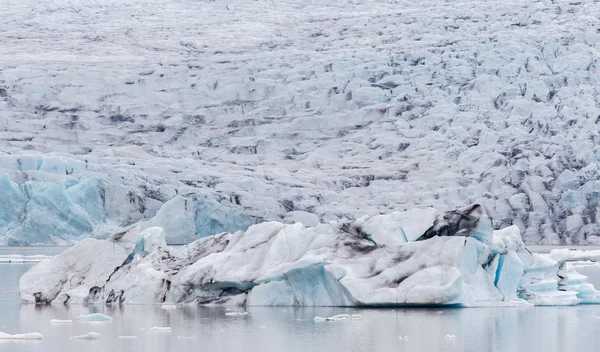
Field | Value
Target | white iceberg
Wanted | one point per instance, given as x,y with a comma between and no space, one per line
26,336
457,260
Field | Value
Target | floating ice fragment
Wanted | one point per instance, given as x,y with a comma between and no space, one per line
88,336
356,316
94,318
22,259
405,338
127,337
168,306
235,314
26,336
341,317
318,318
160,329
58,321
450,337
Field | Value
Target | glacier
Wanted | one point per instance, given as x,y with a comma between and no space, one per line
418,257
296,110
54,199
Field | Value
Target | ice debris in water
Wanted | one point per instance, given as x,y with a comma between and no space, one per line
168,306
26,336
450,337
94,318
187,337
236,314
58,321
89,336
160,329
402,338
337,317
127,337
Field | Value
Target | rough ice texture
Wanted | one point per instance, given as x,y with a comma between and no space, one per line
336,109
374,261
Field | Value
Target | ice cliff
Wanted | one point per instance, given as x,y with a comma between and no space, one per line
297,110
414,257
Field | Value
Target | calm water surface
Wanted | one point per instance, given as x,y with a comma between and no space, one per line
546,329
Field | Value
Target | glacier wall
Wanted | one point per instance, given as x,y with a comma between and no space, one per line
61,199
290,108
334,264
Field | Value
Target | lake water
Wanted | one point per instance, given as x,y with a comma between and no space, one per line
547,329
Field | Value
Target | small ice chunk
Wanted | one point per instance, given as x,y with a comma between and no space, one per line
89,336
450,337
160,329
168,306
402,338
58,321
318,319
127,337
235,314
26,336
341,317
356,316
94,318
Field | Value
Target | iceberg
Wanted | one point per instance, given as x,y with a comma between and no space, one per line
26,336
418,257
88,336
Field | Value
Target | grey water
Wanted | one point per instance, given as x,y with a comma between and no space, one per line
547,329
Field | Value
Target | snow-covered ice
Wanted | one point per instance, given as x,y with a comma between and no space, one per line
457,260
296,110
168,306
26,336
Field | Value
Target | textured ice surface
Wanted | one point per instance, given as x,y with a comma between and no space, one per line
465,263
337,109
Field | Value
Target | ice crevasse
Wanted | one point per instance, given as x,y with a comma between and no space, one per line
417,257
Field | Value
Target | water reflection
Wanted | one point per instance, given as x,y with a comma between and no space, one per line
550,329
292,329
